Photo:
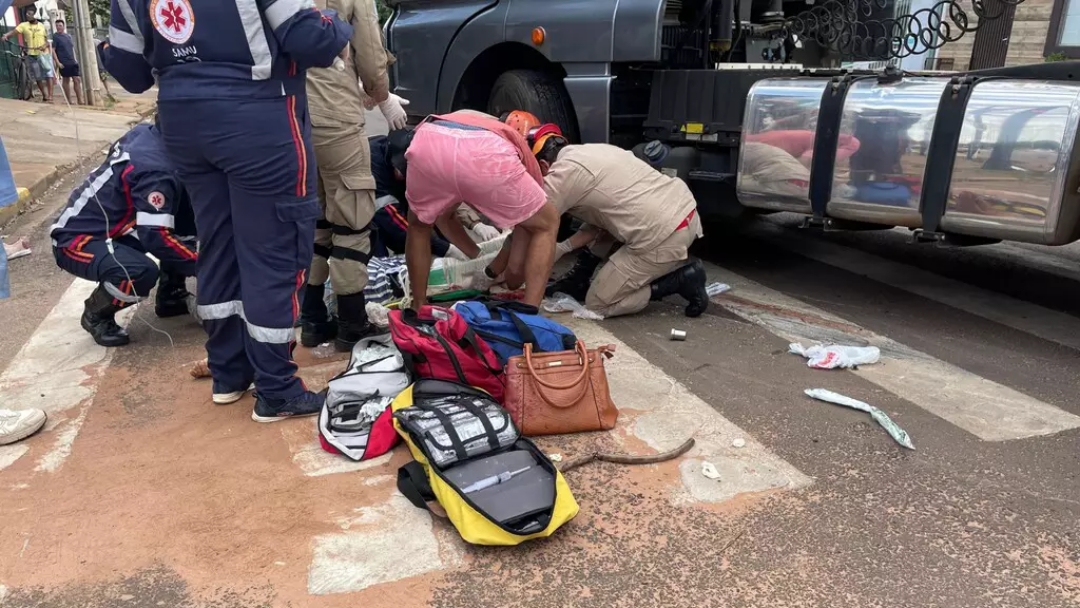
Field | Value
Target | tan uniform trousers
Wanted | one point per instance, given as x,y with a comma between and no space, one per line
621,287
347,198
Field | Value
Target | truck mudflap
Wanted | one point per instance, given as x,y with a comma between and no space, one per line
957,158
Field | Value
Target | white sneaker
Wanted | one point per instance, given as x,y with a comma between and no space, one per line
16,425
233,397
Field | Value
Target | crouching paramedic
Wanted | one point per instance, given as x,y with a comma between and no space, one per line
465,156
233,110
133,204
652,217
346,187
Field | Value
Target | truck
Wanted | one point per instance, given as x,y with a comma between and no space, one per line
766,106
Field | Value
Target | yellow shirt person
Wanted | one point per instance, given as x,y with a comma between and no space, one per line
34,36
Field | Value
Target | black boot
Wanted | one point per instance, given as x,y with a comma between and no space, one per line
316,326
99,318
172,296
353,324
688,282
576,282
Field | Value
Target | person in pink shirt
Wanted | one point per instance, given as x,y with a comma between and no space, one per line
476,159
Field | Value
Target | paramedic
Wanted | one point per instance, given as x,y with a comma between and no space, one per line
471,157
233,111
132,205
346,187
652,216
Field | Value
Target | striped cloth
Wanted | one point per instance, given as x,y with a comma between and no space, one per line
383,283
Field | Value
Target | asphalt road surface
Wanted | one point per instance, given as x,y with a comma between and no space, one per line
143,493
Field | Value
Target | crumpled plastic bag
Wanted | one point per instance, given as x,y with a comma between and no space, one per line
378,314
560,302
832,356
897,433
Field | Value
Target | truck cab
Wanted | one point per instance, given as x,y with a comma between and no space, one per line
756,105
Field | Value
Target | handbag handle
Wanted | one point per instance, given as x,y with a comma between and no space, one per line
579,381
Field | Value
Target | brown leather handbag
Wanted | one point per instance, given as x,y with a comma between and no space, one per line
562,392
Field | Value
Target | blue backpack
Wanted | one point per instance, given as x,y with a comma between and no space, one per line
508,326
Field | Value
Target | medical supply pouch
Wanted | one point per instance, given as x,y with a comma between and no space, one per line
494,496
355,419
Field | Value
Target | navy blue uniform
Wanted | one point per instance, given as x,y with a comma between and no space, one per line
232,108
136,200
391,218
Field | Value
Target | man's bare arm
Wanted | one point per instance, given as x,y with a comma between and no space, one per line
418,259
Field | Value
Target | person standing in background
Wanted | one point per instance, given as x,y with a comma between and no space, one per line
346,187
233,112
36,40
68,66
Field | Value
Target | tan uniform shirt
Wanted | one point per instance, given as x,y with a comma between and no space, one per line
610,188
334,96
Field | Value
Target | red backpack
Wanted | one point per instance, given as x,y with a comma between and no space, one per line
438,343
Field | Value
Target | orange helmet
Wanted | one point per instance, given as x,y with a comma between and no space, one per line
537,136
521,121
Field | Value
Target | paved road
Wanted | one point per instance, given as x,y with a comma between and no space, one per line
142,493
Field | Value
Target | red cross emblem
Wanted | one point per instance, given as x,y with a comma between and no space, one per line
156,199
173,19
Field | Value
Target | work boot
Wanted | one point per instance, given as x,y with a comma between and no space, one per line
272,410
688,282
172,296
575,283
99,319
316,326
353,324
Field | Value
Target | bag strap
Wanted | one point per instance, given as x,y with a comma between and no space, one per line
412,482
528,336
360,368
489,429
581,381
471,340
451,432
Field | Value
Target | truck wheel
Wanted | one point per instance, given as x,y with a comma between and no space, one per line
536,92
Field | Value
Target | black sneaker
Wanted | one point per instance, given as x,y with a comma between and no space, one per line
272,410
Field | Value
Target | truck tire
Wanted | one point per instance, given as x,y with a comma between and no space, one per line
537,92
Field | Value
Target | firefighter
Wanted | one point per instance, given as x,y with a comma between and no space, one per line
233,110
345,184
133,204
652,218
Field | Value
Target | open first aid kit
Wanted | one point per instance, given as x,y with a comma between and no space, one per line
355,419
496,487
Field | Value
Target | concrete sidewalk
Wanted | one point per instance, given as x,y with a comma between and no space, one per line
45,140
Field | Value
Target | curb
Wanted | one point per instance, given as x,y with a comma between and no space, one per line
38,188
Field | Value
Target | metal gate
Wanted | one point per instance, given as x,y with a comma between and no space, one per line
991,45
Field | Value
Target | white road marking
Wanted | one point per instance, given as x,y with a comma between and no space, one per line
986,409
1033,319
380,544
56,370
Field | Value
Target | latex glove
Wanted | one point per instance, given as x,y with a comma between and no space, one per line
457,254
562,249
486,232
394,111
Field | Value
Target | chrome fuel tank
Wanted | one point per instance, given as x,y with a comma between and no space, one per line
1016,171
881,154
777,143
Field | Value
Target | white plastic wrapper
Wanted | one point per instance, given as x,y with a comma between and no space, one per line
715,289
560,302
832,356
894,431
378,314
